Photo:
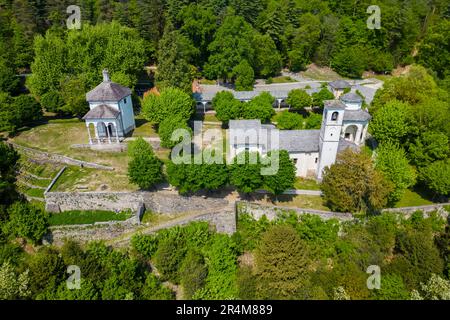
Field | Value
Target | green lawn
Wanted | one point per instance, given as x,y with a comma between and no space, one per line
282,79
144,128
32,192
306,184
206,81
87,217
59,137
296,201
413,198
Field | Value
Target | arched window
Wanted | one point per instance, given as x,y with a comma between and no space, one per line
334,116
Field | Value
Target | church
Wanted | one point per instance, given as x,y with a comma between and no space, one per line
344,125
111,112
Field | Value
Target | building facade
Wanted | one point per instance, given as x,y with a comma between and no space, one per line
111,113
344,125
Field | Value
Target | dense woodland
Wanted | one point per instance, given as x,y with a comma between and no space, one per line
237,41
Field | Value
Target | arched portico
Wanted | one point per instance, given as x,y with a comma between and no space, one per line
105,131
350,133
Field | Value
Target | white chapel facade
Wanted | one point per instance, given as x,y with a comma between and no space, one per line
111,112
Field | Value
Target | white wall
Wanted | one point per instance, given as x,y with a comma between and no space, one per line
113,104
306,163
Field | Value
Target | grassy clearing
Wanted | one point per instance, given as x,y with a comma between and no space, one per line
58,138
144,128
87,217
152,218
296,201
413,198
302,201
281,79
320,73
306,184
207,81
32,192
86,179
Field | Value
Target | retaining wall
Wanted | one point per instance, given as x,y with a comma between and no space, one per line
164,202
258,210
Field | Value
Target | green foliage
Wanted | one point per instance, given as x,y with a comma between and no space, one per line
144,168
232,44
9,82
259,107
13,286
8,160
249,230
283,177
381,62
267,58
437,288
226,106
169,126
353,185
73,91
288,120
428,147
193,274
26,221
144,245
433,51
417,255
391,288
154,290
246,282
170,103
436,177
87,291
46,271
26,109
314,121
245,76
391,122
84,54
350,62
413,88
392,162
305,41
52,101
245,172
319,97
169,256
281,264
175,52
299,99
194,177
220,257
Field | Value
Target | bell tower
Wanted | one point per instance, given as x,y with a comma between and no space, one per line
330,132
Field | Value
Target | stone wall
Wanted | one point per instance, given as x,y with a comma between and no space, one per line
164,202
258,210
439,207
119,233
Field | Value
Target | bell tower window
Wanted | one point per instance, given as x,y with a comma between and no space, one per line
334,116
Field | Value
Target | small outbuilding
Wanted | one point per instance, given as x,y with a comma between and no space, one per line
111,112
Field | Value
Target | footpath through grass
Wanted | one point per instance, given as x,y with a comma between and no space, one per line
87,217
